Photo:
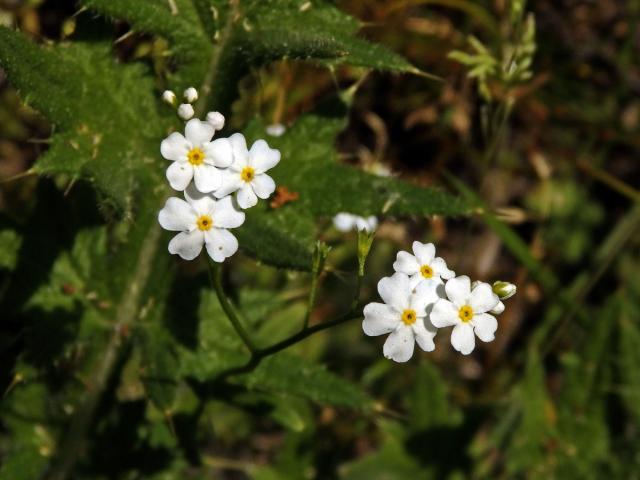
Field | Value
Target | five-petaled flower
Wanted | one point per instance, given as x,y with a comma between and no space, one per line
466,310
196,157
246,175
201,220
404,314
423,265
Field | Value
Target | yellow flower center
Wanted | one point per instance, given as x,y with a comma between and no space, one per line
204,222
195,156
409,316
247,174
426,271
465,313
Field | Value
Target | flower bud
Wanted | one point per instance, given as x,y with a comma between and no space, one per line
216,120
169,97
365,239
320,254
504,290
185,111
191,95
276,130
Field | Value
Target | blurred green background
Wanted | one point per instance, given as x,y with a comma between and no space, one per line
540,132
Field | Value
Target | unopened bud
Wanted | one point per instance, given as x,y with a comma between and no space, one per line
191,95
276,130
320,254
365,239
185,111
504,290
216,120
169,97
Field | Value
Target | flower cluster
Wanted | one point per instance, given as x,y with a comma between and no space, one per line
219,178
425,295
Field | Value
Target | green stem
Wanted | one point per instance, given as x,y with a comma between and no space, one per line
312,299
260,354
215,275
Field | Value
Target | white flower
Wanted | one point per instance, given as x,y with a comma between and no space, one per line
345,222
201,220
403,315
185,111
169,97
195,156
246,175
191,95
423,265
466,310
216,120
276,130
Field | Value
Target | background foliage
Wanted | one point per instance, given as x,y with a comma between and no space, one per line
511,132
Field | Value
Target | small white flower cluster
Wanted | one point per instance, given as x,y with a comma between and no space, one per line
423,296
219,168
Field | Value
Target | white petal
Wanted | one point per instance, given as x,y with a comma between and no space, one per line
216,120
263,185
207,178
379,319
177,215
202,203
344,222
416,279
179,175
240,152
198,132
187,245
220,244
485,326
426,293
463,339
440,269
226,215
458,290
230,182
399,345
406,263
424,332
444,314
424,252
482,298
368,224
218,152
246,197
498,309
395,291
371,223
175,147
262,158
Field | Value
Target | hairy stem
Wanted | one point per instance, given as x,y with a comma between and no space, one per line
74,442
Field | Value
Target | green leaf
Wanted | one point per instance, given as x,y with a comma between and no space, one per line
215,43
296,376
107,127
10,242
285,237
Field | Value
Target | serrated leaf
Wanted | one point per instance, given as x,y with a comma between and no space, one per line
309,167
10,241
105,113
296,376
